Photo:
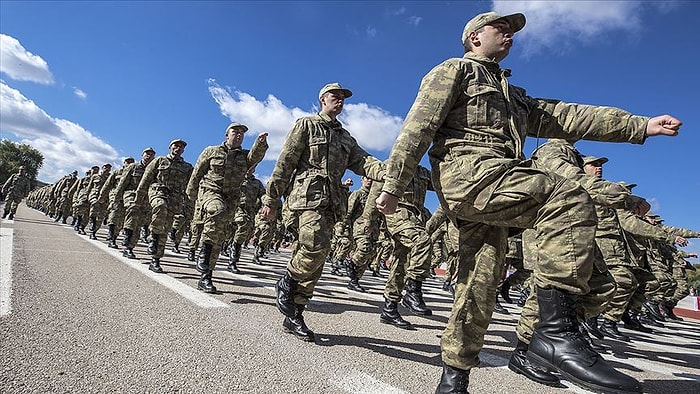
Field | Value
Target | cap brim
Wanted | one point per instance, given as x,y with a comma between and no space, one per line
516,21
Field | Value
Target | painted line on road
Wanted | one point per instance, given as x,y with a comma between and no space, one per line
357,382
6,234
189,293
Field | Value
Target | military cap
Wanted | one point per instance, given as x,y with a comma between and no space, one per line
176,141
149,149
594,160
334,86
239,125
129,159
75,172
628,186
516,22
107,165
95,167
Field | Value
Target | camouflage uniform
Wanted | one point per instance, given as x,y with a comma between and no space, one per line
63,199
314,157
98,209
252,191
115,206
363,240
15,189
135,213
81,203
477,123
215,185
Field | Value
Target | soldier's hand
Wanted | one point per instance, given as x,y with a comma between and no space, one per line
663,125
269,213
680,241
262,137
387,203
695,255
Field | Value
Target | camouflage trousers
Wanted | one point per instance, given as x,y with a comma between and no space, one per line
411,251
63,207
564,220
164,206
602,287
385,248
11,203
627,284
341,249
215,215
363,252
682,288
264,231
647,284
97,211
116,213
135,216
81,208
244,227
667,286
309,255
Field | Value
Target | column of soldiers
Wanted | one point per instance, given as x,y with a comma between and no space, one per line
592,256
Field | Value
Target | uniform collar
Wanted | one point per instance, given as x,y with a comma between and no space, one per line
488,63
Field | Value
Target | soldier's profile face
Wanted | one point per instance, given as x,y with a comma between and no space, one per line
147,156
234,137
177,148
594,169
332,102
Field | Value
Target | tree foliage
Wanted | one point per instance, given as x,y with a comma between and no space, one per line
14,155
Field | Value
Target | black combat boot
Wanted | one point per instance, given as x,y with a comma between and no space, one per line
376,273
234,257
258,254
390,315
56,219
652,306
111,237
191,255
646,317
453,381
591,326
295,325
203,264
93,227
498,308
63,220
205,284
524,294
631,322
520,364
155,265
5,213
557,345
505,291
597,346
609,329
11,216
171,234
354,283
413,299
285,288
77,224
154,244
668,309
73,221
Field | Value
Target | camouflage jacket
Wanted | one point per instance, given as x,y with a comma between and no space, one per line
315,155
79,189
64,185
16,185
561,157
130,179
681,232
477,123
108,191
95,186
221,170
166,175
252,191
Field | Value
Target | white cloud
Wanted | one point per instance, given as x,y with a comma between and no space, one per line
373,127
371,31
79,93
414,20
22,65
397,12
65,145
561,25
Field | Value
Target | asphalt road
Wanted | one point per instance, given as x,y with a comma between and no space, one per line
78,317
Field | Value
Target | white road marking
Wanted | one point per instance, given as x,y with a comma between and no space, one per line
189,293
361,383
6,271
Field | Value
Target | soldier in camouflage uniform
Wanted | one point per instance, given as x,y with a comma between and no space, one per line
115,207
264,231
252,191
16,187
97,211
135,213
363,234
181,224
341,241
440,226
163,182
63,200
215,185
81,202
477,123
315,154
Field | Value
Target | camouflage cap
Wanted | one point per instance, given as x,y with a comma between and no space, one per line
628,186
334,86
107,165
237,125
594,160
178,141
149,149
516,22
129,159
95,167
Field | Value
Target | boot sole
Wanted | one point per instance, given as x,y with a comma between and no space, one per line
301,338
546,365
519,371
426,313
389,322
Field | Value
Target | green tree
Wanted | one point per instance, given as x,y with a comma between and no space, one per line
14,155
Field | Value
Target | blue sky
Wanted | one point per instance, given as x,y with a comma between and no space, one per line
93,82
